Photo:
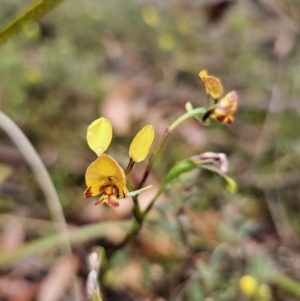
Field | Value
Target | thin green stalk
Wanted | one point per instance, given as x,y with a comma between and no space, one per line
157,195
136,226
75,236
153,157
140,216
286,283
129,167
198,112
136,208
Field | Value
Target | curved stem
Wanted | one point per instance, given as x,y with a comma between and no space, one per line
136,208
157,195
43,178
129,166
198,112
286,283
137,225
153,156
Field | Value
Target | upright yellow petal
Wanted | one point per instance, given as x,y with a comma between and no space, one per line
106,171
99,135
203,73
141,144
212,84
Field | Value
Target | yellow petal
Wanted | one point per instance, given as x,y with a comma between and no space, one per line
141,143
212,84
99,135
92,190
106,171
229,103
202,74
226,108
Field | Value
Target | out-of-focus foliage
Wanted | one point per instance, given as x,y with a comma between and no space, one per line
30,13
137,63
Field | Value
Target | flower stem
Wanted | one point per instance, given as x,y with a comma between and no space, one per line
140,216
136,226
198,112
286,283
136,209
129,166
153,156
159,192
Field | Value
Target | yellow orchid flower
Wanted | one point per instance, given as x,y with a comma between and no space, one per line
212,84
225,109
105,176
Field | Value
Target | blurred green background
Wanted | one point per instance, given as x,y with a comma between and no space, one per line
137,63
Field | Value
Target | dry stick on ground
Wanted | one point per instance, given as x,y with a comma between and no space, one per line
42,176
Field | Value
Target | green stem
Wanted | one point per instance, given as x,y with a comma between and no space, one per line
136,226
286,283
198,112
153,156
157,195
139,219
129,167
140,216
136,209
76,236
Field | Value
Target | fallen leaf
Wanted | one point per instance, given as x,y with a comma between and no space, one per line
17,289
56,284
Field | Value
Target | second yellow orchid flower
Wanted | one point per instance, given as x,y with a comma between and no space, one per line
212,84
105,176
